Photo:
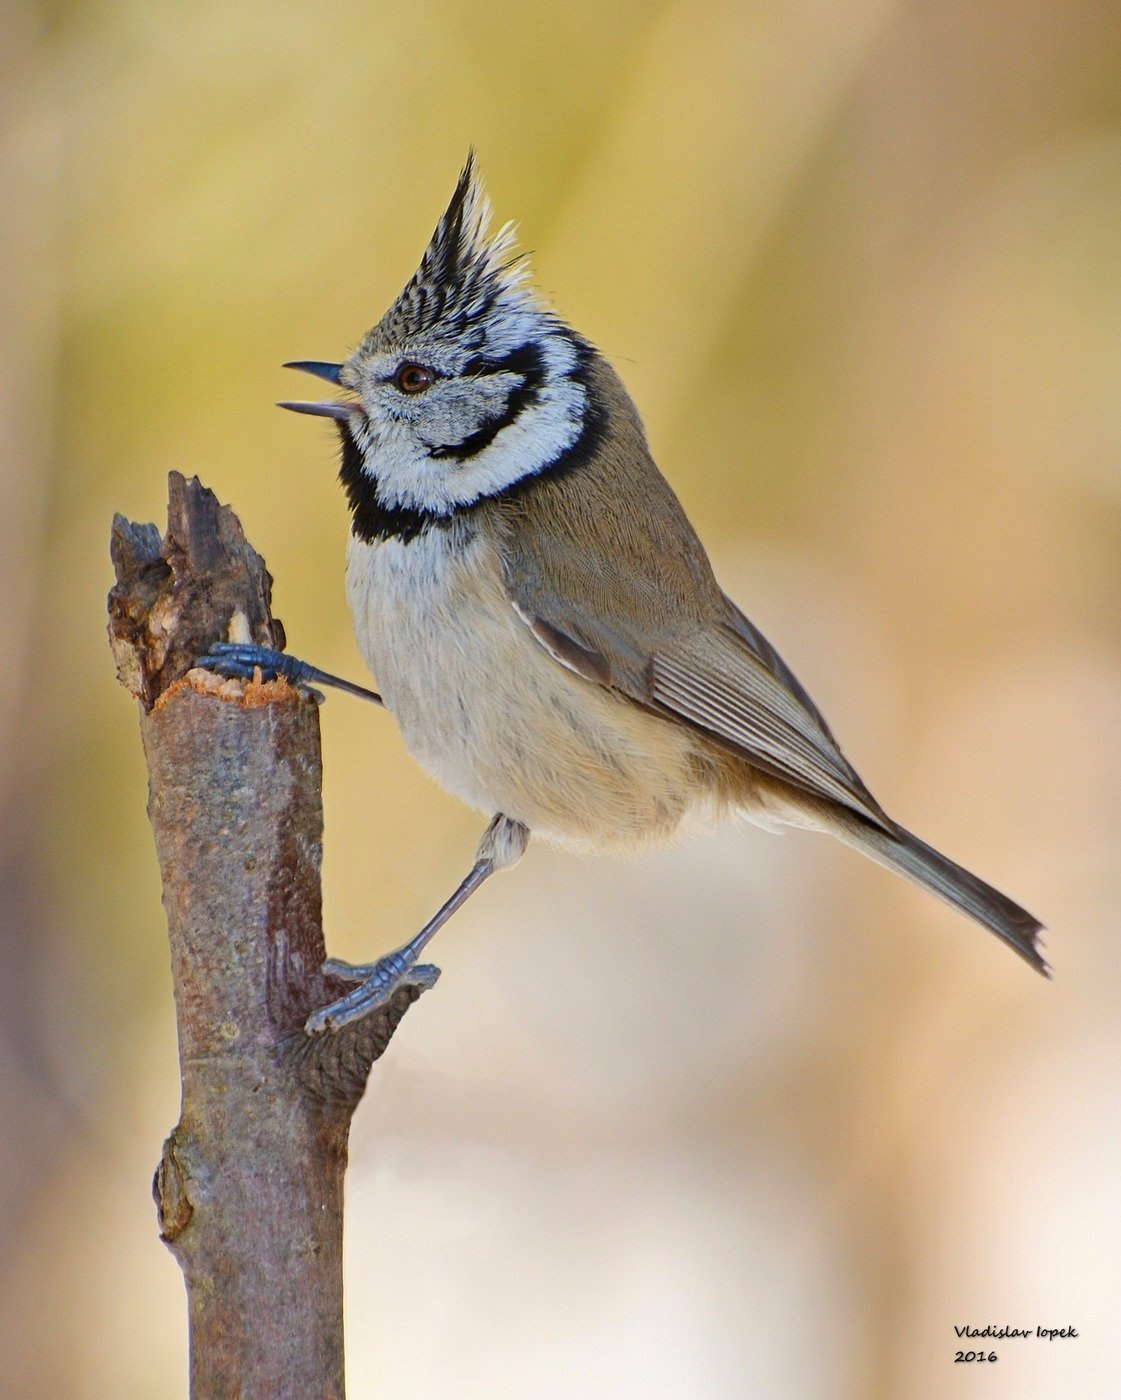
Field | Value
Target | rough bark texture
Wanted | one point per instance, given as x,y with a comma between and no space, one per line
250,1186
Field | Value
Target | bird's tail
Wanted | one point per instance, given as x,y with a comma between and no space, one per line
924,865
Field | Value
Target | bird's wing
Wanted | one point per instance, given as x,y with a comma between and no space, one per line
751,636
650,622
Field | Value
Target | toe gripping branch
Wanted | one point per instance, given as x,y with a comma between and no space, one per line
335,1065
243,659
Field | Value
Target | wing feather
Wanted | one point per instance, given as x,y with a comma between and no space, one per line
725,689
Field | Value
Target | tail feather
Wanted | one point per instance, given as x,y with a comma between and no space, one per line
921,863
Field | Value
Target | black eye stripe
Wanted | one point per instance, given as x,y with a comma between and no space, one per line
525,360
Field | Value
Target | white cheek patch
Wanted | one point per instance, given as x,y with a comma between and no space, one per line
537,437
454,410
408,475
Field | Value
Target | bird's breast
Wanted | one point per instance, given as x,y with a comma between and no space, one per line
494,718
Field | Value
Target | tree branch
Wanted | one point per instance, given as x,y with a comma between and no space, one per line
249,1188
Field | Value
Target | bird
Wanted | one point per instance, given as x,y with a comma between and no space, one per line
540,615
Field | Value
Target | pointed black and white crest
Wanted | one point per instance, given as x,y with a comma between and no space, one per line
466,275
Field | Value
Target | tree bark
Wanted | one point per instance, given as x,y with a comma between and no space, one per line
249,1189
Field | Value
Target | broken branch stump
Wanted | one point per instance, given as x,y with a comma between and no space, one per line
249,1189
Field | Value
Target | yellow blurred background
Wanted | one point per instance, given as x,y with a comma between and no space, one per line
745,1118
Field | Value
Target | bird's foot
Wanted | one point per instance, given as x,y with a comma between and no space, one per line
243,659
376,983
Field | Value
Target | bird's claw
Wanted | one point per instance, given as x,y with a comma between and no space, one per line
375,984
242,660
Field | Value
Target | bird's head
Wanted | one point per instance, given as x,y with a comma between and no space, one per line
466,385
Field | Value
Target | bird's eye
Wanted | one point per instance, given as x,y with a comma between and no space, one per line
412,378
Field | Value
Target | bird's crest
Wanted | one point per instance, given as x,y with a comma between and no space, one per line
466,272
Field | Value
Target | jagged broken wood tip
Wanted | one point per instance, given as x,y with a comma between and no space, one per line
178,593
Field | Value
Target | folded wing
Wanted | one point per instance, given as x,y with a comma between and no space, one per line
721,676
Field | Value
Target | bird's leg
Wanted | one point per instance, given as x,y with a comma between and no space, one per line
241,659
502,846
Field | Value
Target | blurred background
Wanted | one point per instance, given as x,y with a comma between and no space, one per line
748,1117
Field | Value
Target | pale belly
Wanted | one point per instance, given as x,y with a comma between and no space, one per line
493,717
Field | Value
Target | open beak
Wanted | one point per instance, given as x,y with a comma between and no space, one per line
329,408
